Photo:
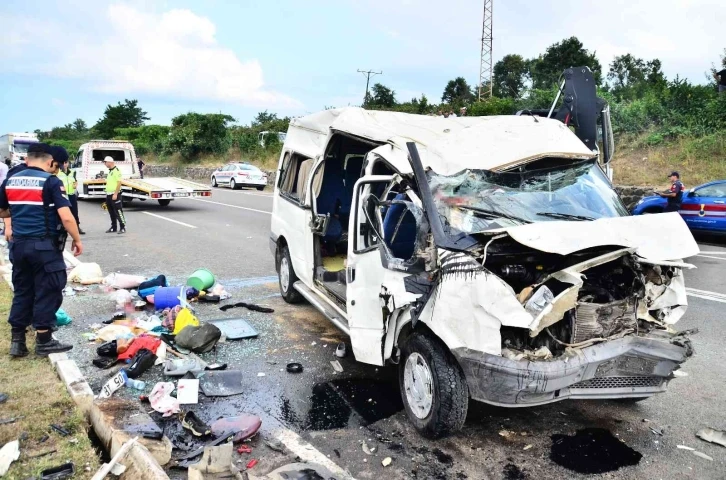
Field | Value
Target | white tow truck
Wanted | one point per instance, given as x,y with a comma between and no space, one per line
91,175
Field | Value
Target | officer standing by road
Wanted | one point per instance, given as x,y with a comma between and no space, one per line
113,196
675,195
68,177
37,202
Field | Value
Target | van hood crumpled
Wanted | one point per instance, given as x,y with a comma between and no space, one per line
656,238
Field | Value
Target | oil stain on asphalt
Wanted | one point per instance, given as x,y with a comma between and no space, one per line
592,450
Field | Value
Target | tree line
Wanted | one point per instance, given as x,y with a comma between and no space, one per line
642,101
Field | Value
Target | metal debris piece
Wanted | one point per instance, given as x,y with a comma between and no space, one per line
702,455
527,447
714,436
684,447
275,445
657,431
6,421
337,366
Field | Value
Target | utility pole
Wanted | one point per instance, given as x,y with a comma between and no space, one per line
485,66
368,74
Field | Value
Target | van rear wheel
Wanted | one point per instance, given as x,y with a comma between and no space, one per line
164,202
287,277
433,387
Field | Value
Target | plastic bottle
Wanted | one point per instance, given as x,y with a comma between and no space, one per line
137,384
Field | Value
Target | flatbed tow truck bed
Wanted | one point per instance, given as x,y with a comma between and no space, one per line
164,190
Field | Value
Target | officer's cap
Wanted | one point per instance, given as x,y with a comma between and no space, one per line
109,158
40,149
60,155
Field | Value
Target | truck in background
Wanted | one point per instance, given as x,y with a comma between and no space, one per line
14,146
91,173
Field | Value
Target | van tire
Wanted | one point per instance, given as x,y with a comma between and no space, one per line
450,393
164,202
287,278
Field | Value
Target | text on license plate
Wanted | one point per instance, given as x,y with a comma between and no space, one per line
180,194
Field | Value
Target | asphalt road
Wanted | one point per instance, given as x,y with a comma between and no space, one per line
337,412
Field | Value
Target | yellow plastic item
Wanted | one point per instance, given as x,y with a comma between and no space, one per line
184,319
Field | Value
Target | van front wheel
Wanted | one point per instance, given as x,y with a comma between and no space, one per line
433,387
287,277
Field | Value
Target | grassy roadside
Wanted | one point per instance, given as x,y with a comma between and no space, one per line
263,159
40,398
640,160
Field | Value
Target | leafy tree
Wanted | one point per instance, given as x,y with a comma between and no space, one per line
148,138
265,121
79,125
123,115
570,52
418,106
457,93
380,97
193,134
631,77
510,76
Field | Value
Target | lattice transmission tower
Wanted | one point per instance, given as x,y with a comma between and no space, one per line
485,67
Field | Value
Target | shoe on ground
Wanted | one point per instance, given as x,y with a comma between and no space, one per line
193,423
81,232
111,230
53,346
123,230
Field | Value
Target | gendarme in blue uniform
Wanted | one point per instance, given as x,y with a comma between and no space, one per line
39,271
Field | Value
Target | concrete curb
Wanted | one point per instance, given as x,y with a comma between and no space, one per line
140,463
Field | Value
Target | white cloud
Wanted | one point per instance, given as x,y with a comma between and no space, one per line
173,54
58,102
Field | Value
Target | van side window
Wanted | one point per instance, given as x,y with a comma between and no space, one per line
293,178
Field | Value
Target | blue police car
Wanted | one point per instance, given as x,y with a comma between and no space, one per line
703,207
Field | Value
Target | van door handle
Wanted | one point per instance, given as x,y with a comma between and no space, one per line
351,274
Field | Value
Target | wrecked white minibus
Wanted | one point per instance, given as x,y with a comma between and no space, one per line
490,258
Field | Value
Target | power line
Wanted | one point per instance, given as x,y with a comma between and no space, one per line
368,74
485,66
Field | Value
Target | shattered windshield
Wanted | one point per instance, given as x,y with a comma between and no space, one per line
478,200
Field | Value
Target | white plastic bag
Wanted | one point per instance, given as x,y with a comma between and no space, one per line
121,297
121,280
86,274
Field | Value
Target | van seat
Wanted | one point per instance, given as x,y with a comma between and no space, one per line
399,230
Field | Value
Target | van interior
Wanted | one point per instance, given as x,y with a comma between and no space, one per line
333,190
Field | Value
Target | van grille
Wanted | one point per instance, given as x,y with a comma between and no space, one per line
620,382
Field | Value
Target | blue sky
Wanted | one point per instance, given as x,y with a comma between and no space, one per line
68,60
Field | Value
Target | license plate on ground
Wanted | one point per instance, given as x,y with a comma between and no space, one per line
180,194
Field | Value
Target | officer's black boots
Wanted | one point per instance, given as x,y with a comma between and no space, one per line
17,344
45,344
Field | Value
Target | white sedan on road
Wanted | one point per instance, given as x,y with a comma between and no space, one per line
236,175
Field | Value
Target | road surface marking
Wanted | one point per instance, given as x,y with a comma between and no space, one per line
718,252
230,205
706,295
308,453
169,219
708,256
257,194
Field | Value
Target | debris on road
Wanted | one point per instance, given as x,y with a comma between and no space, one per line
162,401
702,455
187,391
242,426
252,463
60,472
657,430
86,274
221,383
8,454
294,367
215,460
275,445
113,384
3,397
368,450
122,281
337,366
244,449
63,432
386,461
194,424
714,436
340,351
182,366
234,328
684,447
62,318
249,306
528,446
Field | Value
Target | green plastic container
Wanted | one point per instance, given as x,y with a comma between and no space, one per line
201,279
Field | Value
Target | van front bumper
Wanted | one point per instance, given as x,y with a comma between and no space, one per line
628,367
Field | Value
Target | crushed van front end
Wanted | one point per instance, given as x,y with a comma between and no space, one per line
628,367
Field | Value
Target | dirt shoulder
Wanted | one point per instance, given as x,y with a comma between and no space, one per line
37,400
